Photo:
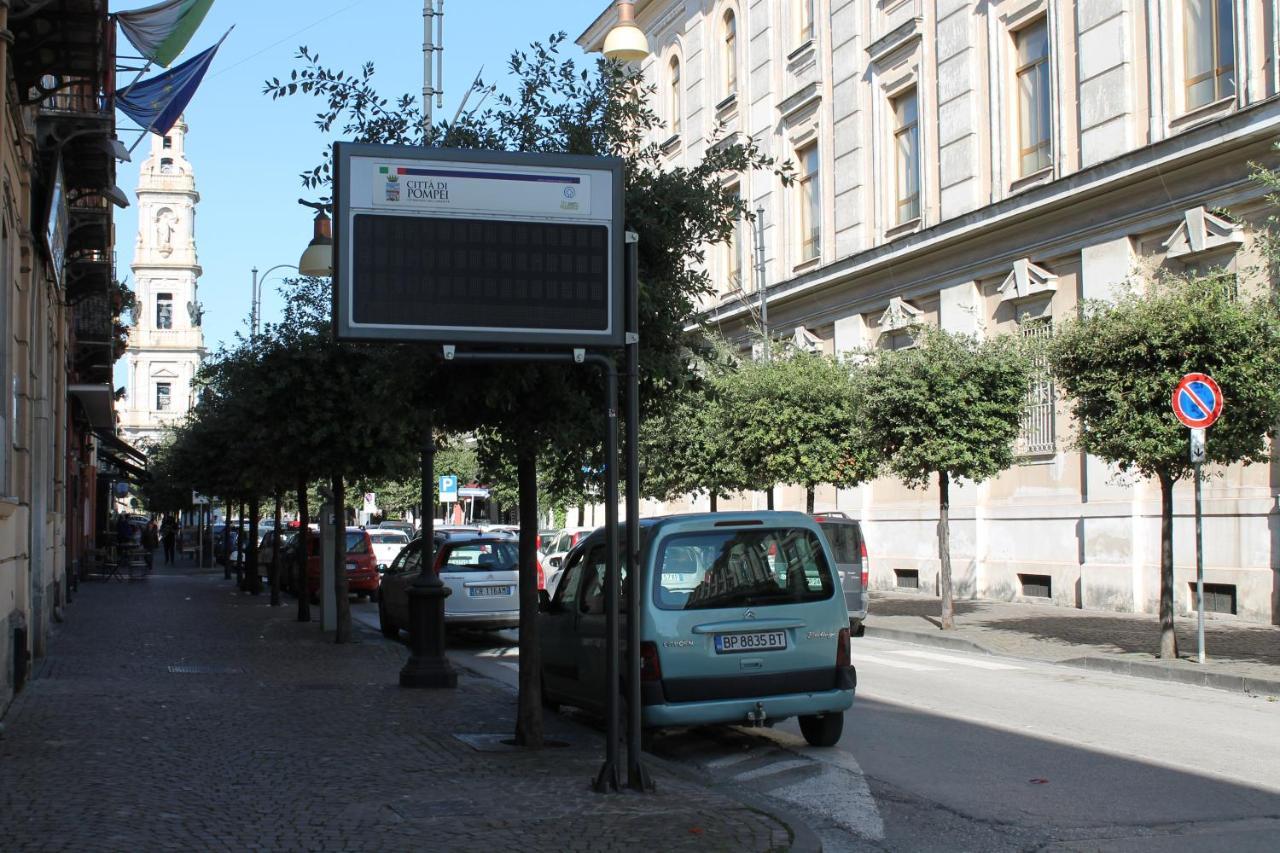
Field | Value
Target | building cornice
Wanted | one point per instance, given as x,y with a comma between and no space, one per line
1254,124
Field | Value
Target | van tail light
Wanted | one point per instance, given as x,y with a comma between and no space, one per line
542,577
843,657
537,542
650,666
862,553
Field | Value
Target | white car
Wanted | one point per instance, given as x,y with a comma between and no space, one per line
386,544
553,558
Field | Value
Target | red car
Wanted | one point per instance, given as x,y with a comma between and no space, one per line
362,564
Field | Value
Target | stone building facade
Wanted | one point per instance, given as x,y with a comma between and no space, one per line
59,304
985,165
166,343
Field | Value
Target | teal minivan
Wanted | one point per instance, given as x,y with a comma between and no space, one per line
743,621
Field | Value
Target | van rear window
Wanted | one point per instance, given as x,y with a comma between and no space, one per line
843,537
741,568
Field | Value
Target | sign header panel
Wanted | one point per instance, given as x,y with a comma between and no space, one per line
1197,401
477,247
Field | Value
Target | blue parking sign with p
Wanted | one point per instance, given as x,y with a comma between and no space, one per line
448,489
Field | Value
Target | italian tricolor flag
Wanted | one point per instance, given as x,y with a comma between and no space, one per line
161,31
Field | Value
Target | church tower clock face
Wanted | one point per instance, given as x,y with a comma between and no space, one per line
166,343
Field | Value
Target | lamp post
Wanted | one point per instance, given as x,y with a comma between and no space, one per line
255,301
626,42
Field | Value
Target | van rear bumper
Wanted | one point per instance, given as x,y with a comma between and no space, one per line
736,710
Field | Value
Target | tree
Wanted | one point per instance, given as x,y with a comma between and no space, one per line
949,409
1119,363
789,420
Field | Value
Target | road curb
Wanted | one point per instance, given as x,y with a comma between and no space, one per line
1097,663
921,638
1161,672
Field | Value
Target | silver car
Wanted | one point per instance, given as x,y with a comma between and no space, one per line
480,571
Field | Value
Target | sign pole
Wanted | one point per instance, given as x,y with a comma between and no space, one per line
1197,458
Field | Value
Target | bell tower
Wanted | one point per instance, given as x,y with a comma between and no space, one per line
166,343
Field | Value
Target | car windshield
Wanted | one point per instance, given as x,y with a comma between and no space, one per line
383,537
357,543
739,568
481,557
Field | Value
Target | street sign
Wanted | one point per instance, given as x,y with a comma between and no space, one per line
370,502
477,247
448,489
1197,400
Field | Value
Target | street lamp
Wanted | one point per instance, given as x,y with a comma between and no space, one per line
317,260
626,42
255,296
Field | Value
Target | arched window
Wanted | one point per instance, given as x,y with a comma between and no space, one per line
675,99
730,58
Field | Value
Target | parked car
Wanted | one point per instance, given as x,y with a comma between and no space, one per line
546,538
553,558
361,564
743,621
480,571
387,542
850,550
403,526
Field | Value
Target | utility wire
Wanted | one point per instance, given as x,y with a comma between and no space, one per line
291,35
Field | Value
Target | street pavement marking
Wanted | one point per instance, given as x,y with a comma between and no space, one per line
505,651
771,769
729,760
962,661
899,664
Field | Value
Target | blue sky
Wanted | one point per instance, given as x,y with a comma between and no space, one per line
247,150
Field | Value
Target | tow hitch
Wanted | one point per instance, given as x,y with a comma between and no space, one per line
757,717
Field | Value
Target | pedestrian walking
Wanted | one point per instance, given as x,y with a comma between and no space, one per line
168,535
150,541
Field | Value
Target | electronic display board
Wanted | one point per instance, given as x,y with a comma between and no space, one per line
477,247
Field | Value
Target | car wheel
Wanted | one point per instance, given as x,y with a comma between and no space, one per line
384,624
822,729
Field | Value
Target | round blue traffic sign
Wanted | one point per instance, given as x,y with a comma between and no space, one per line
1197,400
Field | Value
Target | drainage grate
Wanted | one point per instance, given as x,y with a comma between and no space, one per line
203,669
906,578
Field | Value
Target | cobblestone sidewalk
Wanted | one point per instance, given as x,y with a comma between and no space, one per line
177,713
1240,655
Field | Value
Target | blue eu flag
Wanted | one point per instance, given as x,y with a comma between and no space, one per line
155,104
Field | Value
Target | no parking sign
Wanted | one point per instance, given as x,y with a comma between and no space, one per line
1197,400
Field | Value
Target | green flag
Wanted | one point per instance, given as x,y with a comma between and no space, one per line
161,31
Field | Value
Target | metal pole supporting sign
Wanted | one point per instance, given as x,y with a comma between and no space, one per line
1197,403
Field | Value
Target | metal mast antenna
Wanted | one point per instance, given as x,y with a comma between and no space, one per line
432,48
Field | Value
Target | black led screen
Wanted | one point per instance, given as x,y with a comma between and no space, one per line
479,273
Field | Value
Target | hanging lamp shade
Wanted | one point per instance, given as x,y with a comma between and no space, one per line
626,42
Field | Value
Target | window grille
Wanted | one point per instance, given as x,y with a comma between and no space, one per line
1036,435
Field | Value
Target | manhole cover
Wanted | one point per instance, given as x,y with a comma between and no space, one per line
202,669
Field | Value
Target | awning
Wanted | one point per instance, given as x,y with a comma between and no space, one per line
98,402
127,469
120,446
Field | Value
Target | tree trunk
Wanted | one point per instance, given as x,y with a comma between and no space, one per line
809,499
714,502
1168,637
253,576
239,547
341,590
769,498
944,551
275,554
300,578
529,704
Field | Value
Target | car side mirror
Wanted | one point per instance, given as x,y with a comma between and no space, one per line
544,601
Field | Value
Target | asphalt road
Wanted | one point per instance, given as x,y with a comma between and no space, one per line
957,751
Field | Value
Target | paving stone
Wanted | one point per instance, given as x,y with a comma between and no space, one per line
176,713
